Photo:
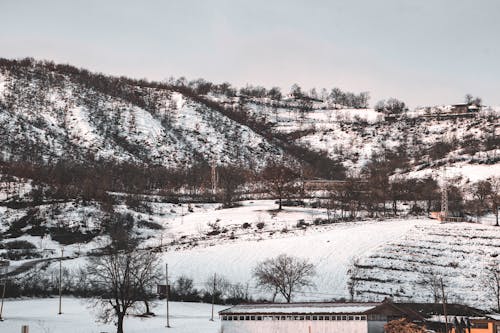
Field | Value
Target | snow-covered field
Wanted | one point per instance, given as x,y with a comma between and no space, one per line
78,317
408,248
459,253
331,249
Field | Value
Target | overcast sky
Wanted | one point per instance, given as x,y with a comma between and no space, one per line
424,52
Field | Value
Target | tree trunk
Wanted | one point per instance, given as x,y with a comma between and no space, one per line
279,203
496,224
119,324
146,304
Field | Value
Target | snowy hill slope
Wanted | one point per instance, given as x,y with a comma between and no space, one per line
47,116
200,240
52,111
330,249
425,143
457,252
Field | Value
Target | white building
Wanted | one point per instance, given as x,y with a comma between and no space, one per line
308,318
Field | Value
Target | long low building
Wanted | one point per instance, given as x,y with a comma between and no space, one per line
308,318
344,317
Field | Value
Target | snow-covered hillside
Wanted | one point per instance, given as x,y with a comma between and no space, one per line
457,252
48,113
48,116
394,255
51,114
354,135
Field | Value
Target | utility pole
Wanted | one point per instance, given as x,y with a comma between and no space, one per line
3,272
213,298
167,287
60,281
444,307
3,296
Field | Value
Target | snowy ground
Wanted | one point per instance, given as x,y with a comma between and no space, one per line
459,253
402,248
330,248
41,316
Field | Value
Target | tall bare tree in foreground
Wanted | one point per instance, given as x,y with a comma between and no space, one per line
122,275
285,275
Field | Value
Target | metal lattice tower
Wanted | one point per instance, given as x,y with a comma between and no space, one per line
214,177
444,200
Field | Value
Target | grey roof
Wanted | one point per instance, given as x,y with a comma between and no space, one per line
301,308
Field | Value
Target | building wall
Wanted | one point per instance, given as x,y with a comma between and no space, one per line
376,326
491,329
295,326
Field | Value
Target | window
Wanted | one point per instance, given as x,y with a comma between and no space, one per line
308,317
283,318
259,317
334,317
344,317
479,325
320,317
363,317
327,317
315,317
247,317
356,318
252,317
289,318
242,317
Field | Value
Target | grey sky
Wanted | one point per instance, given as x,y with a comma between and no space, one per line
424,52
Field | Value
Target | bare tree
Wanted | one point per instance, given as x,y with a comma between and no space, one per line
494,197
148,277
284,274
121,275
432,282
471,100
230,178
279,180
391,106
492,281
481,191
353,274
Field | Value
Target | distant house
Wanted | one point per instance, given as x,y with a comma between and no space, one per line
352,317
464,108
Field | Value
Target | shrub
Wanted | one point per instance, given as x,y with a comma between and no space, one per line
302,224
260,225
149,225
19,245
